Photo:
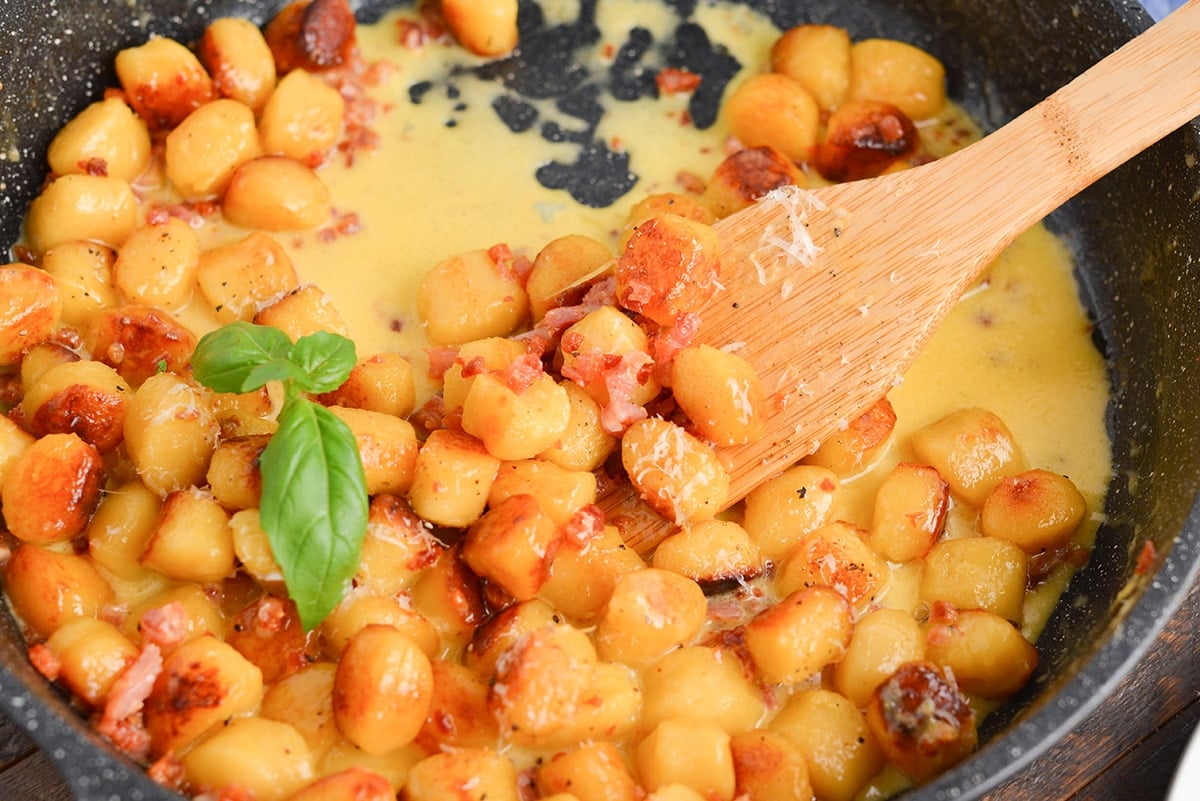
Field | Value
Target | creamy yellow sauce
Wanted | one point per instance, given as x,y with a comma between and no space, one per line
432,191
1019,344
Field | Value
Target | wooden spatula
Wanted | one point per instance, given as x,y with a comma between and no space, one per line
897,252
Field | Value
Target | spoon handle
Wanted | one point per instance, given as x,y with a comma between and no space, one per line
1129,100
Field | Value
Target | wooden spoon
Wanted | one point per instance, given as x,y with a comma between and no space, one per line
897,252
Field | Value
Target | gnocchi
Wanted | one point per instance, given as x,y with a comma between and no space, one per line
498,637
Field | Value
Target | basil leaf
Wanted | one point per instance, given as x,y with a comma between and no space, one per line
314,506
324,359
274,370
224,360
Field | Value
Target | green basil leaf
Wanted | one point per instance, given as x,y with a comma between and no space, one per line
314,506
324,359
273,370
225,359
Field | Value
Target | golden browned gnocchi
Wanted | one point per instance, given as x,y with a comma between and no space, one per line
495,637
106,135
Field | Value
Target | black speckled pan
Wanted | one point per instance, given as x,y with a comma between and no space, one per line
1135,234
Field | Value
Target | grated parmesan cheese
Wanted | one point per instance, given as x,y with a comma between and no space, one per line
795,243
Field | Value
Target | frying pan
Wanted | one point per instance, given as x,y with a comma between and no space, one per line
1135,236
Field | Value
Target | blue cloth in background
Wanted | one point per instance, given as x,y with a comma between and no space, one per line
1160,8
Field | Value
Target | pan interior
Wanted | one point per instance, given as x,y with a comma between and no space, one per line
1133,236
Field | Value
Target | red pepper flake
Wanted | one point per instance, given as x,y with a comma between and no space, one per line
1146,559
673,81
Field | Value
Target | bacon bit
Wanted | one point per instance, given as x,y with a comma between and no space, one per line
94,166
429,417
609,50
476,366
377,74
133,686
167,771
622,375
44,661
943,622
128,736
674,81
165,626
666,342
430,27
1146,559
943,612
571,343
121,720
601,293
590,365
235,792
345,224
271,614
411,35
537,343
441,359
520,373
585,525
511,266
560,319
685,118
522,266
690,182
157,216
193,213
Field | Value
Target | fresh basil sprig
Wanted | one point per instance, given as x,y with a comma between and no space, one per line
314,493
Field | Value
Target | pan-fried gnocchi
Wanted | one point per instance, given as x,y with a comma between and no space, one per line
499,637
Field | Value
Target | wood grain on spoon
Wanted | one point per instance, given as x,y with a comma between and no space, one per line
897,252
